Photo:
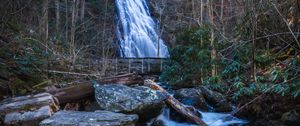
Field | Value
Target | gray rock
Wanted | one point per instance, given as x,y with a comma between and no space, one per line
139,100
201,98
28,118
216,99
98,118
191,96
291,118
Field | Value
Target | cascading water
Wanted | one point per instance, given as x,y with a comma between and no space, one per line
210,118
137,31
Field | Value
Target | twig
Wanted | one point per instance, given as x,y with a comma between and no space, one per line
73,73
247,104
258,38
286,24
21,8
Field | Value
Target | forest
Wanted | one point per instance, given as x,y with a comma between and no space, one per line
150,62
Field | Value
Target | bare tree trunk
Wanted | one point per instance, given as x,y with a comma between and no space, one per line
82,10
193,9
82,14
103,33
213,51
73,30
253,41
201,22
67,21
293,15
57,24
44,24
73,27
222,18
201,14
57,16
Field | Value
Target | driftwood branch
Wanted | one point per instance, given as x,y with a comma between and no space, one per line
74,73
175,104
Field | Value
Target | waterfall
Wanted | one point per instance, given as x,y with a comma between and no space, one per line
137,31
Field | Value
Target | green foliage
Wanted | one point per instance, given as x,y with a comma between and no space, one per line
190,57
264,60
244,90
32,58
214,83
24,64
283,81
191,60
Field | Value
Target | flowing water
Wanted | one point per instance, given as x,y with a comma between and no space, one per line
210,118
137,31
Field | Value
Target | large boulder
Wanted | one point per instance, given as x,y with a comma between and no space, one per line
204,99
217,100
191,96
291,118
27,118
138,100
98,118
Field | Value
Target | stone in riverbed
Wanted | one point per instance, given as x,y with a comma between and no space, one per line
28,118
98,118
291,118
200,97
140,100
191,96
218,101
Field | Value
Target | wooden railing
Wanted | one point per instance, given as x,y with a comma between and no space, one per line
121,65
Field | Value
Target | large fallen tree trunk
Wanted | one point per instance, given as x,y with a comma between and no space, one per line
175,104
27,110
28,102
85,88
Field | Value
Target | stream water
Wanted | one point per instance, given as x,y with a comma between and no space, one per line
210,118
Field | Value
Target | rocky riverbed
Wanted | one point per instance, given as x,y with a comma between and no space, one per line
121,105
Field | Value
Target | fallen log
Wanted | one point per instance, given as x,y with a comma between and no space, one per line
83,89
29,109
72,93
175,104
29,102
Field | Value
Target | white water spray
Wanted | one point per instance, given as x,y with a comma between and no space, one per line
137,31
